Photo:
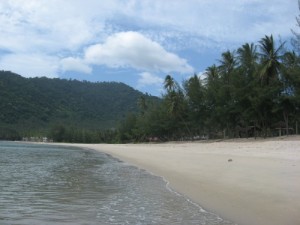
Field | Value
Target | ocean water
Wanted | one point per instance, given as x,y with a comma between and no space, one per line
47,184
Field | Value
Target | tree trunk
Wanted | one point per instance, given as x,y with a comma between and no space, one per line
286,120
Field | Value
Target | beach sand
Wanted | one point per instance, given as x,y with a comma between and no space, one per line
249,182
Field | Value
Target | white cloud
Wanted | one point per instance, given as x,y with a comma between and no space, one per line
220,20
147,79
132,49
75,64
51,32
50,26
30,65
54,25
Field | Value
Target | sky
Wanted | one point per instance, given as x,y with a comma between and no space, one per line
137,42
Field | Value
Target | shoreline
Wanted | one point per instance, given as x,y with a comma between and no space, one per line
243,181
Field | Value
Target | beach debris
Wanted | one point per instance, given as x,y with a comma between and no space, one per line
229,160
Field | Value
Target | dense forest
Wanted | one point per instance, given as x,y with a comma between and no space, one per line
65,110
253,91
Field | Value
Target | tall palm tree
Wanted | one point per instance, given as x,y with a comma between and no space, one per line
270,59
226,99
212,76
247,56
228,62
212,72
245,91
270,88
195,93
193,88
175,101
212,84
169,83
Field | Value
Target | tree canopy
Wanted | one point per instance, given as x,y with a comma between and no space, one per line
253,91
38,106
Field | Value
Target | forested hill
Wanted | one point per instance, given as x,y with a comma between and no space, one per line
36,104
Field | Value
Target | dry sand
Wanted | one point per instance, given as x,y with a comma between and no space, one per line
249,182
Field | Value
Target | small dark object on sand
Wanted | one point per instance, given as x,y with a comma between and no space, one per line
229,160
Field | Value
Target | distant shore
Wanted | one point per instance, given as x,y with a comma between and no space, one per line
245,181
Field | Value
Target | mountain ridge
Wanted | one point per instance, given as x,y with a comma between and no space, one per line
36,104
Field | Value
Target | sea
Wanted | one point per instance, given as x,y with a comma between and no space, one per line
44,184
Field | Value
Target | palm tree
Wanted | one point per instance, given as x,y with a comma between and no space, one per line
195,94
212,83
290,80
270,88
270,59
194,90
226,100
212,80
172,95
212,73
247,56
228,62
175,101
245,87
169,83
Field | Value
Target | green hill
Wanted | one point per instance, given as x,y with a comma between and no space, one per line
34,105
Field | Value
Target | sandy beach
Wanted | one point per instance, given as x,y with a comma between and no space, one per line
249,182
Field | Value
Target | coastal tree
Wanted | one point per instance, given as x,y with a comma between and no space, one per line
245,86
247,59
175,102
213,105
227,70
195,94
270,59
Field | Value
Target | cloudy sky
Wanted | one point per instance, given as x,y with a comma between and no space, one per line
137,42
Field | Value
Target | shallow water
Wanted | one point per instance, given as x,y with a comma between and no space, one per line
46,184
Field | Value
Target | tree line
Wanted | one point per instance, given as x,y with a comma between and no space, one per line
253,91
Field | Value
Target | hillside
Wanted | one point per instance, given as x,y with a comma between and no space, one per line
36,104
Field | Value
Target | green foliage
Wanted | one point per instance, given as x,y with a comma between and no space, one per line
33,105
127,128
9,134
255,91
60,133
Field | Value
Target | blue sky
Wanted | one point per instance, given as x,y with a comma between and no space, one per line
137,42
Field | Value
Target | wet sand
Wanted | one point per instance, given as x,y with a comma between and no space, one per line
249,182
